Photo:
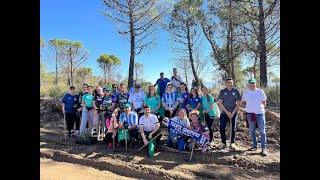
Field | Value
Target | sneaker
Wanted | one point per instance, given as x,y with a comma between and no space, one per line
222,146
253,148
110,145
264,152
233,146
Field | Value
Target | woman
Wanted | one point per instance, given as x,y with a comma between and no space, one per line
199,127
112,124
107,105
170,102
175,139
208,112
194,100
152,100
87,110
97,101
183,95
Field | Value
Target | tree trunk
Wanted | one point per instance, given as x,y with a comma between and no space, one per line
108,69
262,47
231,53
132,48
255,65
105,73
191,57
71,63
56,82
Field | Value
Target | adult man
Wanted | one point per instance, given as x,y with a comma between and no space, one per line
114,89
229,101
129,120
254,100
149,126
121,97
136,99
131,90
69,106
175,79
162,82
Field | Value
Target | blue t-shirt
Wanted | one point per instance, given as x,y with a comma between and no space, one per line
182,99
169,99
69,101
193,102
162,84
229,98
132,118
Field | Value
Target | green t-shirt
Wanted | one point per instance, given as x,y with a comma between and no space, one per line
88,99
206,105
152,102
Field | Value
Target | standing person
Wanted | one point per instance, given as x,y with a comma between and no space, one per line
170,102
121,98
182,95
176,80
149,127
208,112
112,124
162,82
194,100
84,91
114,89
87,110
97,101
131,90
175,137
108,104
136,100
153,101
131,122
199,127
255,101
229,102
69,106
100,85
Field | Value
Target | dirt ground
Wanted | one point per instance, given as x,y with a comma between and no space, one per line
101,162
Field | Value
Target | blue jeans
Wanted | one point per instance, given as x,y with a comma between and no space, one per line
86,116
224,119
261,120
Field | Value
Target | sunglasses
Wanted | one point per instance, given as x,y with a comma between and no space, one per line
151,89
114,87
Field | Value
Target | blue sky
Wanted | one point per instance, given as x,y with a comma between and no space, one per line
81,20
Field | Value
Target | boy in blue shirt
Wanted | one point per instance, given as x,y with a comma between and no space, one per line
69,106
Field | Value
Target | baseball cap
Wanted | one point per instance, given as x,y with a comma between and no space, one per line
251,80
127,105
106,89
137,85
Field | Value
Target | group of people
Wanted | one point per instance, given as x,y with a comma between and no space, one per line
103,111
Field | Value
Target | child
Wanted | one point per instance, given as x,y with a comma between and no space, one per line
112,124
199,127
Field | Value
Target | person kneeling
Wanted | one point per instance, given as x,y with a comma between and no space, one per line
112,124
176,139
149,127
129,120
199,127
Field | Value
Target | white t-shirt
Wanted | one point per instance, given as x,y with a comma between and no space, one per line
175,82
137,100
148,123
254,100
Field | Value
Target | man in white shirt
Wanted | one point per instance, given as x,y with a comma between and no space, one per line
149,126
136,100
131,90
175,79
255,104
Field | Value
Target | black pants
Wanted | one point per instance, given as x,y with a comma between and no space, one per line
108,138
167,113
70,119
153,135
210,121
134,134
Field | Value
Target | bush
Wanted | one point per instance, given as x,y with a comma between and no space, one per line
54,91
273,95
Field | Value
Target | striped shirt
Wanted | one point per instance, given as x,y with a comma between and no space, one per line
132,118
170,99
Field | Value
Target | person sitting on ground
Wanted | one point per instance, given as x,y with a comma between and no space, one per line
149,127
69,106
199,127
175,137
194,100
87,111
129,120
136,100
112,124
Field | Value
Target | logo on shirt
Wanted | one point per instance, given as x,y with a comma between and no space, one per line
233,94
75,99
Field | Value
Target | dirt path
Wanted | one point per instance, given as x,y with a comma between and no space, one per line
50,169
